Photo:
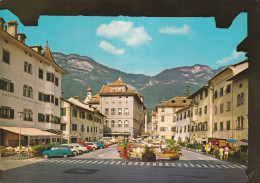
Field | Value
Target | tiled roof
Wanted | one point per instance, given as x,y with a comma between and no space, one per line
175,102
153,113
47,53
119,82
95,99
106,91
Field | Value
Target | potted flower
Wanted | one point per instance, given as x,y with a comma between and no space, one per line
148,155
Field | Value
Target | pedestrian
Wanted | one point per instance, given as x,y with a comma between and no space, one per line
125,156
207,148
226,152
221,150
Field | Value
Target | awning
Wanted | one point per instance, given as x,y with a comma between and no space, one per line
28,131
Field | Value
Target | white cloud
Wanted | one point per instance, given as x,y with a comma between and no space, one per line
234,55
174,30
132,36
110,48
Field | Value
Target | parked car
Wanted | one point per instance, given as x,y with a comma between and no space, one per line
73,148
112,139
81,148
92,145
82,143
57,151
99,144
105,143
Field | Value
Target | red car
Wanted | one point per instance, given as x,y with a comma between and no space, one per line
89,147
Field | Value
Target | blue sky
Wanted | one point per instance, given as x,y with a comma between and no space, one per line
139,45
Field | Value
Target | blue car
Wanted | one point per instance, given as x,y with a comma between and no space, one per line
99,144
57,151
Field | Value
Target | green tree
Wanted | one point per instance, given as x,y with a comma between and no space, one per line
187,92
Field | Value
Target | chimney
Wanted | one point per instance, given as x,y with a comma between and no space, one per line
2,23
12,28
37,48
22,37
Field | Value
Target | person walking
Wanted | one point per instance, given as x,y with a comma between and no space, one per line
221,150
226,152
125,156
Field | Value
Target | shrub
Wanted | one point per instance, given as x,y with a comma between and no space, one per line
148,149
182,144
174,148
41,148
216,152
243,156
170,141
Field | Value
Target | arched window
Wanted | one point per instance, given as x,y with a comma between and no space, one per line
30,68
25,115
25,90
25,67
29,115
242,99
112,123
106,123
126,123
29,93
119,123
241,122
238,100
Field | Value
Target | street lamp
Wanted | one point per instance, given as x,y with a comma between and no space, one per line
20,115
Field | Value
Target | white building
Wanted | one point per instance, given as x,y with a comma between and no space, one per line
30,83
183,125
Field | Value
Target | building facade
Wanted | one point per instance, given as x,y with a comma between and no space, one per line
123,108
80,123
166,116
30,84
183,125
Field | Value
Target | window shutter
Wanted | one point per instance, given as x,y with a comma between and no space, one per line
11,87
12,113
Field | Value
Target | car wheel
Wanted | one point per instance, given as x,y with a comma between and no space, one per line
80,152
74,153
65,155
46,156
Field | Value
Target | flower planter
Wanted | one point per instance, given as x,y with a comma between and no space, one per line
149,157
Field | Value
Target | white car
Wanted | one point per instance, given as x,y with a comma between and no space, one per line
92,145
81,148
73,148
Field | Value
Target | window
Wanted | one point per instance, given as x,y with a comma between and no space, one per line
215,94
228,88
40,96
106,111
52,99
41,117
205,109
63,111
87,128
206,92
30,92
63,126
56,101
228,106
48,76
113,99
162,118
188,113
205,126
40,74
74,113
6,56
126,124
6,112
221,92
30,69
48,98
221,126
215,110
173,129
240,122
24,90
162,129
188,128
119,123
181,117
27,115
196,111
56,81
25,66
228,125
221,108
200,95
162,109
119,111
112,123
185,129
74,127
200,127
181,129
47,118
52,77
240,99
184,115
113,111
126,111
6,85
126,99
82,114
200,111
215,126
107,123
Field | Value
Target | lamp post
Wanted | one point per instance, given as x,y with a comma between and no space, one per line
20,115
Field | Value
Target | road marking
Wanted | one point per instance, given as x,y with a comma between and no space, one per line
83,161
173,164
136,163
76,161
130,163
198,165
101,155
179,165
154,164
160,164
142,163
231,166
243,166
106,162
100,162
185,165
112,162
211,166
238,166
118,162
89,161
166,164
201,158
148,163
205,165
94,162
218,166
192,165
224,166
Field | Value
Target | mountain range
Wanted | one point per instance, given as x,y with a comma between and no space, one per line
85,72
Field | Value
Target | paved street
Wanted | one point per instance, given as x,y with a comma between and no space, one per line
104,165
